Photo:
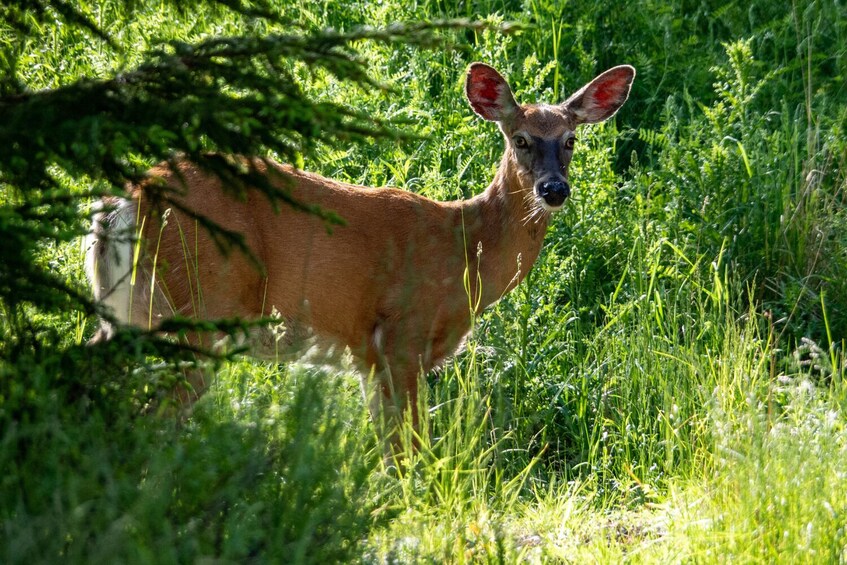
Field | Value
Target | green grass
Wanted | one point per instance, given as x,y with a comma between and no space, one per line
666,386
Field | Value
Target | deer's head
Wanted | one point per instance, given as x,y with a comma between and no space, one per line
540,138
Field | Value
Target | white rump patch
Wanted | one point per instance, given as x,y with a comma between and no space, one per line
108,257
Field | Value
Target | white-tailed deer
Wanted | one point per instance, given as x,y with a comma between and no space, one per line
397,283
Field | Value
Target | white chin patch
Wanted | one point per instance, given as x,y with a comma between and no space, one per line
548,208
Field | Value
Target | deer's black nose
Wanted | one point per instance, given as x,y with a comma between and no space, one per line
554,192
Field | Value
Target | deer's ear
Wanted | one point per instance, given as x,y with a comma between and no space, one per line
602,97
489,93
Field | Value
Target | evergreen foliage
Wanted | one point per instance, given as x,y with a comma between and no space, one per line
203,101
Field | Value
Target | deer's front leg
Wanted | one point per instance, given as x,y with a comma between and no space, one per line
393,400
391,390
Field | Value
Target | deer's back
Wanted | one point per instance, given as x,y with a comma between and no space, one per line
397,260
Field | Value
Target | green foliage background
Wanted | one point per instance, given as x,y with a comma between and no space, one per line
667,385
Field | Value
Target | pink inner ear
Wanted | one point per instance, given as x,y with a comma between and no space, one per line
484,88
609,92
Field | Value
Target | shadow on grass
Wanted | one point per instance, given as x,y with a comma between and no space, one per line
282,482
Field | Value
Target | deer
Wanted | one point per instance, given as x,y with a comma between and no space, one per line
397,284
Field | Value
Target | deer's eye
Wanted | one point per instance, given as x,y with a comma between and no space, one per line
520,142
569,142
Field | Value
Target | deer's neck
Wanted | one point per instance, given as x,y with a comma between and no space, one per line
504,231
